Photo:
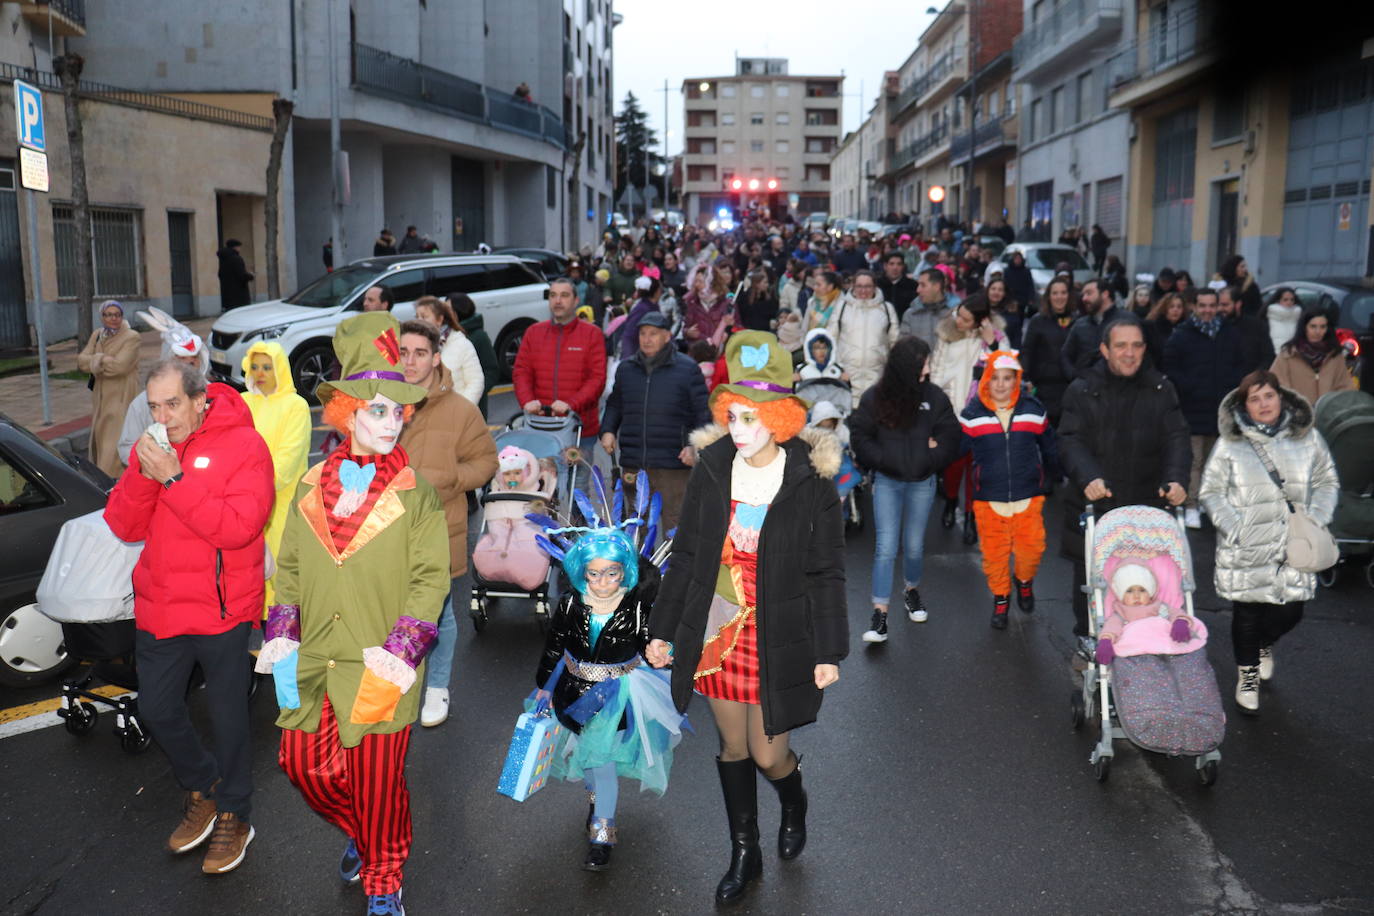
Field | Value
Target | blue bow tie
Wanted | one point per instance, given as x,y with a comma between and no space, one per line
356,478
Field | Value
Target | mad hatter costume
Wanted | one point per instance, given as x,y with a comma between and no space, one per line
361,576
752,609
618,713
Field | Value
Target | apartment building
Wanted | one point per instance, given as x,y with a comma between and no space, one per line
433,131
1074,146
955,70
859,168
774,131
168,178
1273,163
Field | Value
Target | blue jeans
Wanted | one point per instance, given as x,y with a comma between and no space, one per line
898,505
439,666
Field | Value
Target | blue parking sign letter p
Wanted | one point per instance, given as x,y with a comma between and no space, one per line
28,103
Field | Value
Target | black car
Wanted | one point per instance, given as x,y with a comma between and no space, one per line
40,490
552,263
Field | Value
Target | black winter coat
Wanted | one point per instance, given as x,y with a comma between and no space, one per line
1041,344
906,453
624,637
654,412
1256,346
1128,431
756,313
801,618
233,279
1020,284
900,294
1080,349
1157,334
1204,370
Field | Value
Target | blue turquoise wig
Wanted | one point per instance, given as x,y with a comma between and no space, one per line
601,544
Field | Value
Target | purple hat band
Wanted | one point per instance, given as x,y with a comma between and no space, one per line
373,373
764,386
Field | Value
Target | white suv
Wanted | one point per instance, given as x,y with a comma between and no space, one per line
509,294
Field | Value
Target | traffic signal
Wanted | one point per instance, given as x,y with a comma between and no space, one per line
737,184
772,184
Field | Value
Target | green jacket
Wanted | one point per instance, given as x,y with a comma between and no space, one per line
396,565
486,355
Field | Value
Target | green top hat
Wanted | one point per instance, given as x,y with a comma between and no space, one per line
760,368
368,346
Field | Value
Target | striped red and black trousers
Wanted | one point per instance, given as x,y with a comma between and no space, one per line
361,790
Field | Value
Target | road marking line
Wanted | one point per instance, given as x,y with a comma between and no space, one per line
16,714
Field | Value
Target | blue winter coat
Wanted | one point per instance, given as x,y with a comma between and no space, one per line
653,412
1015,464
1204,370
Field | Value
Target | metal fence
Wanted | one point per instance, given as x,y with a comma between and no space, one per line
384,73
1067,19
1169,41
116,251
75,10
130,98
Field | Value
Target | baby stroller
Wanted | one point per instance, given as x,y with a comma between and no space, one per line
1346,421
1166,703
837,397
506,562
87,587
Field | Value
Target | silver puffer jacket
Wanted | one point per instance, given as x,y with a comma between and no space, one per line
1245,506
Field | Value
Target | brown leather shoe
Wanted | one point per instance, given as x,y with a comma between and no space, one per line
197,820
228,844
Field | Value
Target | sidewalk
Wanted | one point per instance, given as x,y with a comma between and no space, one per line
21,397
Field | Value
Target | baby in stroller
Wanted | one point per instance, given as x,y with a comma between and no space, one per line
506,552
819,359
1140,623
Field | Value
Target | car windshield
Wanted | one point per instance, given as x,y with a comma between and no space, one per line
1357,311
1050,258
333,288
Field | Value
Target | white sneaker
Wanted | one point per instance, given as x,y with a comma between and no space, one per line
1247,688
435,710
1192,518
877,630
1266,665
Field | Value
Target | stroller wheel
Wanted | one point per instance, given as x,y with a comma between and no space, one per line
1102,768
1327,578
135,740
1369,574
1077,712
1208,773
80,718
477,610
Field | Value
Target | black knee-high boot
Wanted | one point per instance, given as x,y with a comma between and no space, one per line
739,785
792,829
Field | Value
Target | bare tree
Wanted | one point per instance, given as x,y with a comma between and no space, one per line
572,201
68,68
281,116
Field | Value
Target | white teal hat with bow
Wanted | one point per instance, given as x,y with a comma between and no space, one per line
760,368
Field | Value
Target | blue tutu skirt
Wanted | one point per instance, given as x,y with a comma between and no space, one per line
642,750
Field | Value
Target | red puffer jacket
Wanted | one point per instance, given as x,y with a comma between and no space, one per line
563,363
201,571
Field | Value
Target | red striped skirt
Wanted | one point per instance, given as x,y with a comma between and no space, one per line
738,676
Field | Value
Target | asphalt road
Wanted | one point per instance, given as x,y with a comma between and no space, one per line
944,777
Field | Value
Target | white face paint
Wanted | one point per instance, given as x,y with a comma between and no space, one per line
604,577
747,430
377,427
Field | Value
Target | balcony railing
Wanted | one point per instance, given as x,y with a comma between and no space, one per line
919,147
130,98
1166,45
382,73
985,134
68,16
1061,32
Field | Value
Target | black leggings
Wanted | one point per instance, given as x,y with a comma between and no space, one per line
1255,625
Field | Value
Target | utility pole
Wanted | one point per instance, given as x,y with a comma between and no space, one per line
972,105
336,201
667,167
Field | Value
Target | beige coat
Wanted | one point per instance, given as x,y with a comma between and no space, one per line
448,443
113,361
1295,373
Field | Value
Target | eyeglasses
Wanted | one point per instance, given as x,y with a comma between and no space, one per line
614,574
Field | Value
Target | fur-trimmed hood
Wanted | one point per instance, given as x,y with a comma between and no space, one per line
949,332
1295,405
823,446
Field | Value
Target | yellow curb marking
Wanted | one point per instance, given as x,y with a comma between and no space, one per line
15,713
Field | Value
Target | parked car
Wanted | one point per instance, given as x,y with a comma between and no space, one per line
509,294
993,243
551,263
1349,300
1042,258
40,490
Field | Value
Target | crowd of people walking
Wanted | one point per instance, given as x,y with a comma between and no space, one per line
680,353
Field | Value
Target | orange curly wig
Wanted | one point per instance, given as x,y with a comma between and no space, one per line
341,407
784,417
